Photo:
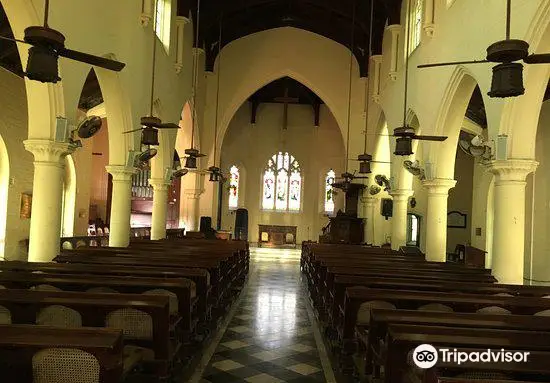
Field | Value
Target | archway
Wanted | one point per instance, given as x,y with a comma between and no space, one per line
93,199
285,116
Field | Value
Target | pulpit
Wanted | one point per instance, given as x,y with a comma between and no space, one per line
346,227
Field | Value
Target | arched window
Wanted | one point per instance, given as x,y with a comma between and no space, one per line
413,230
233,187
282,183
162,21
329,191
415,24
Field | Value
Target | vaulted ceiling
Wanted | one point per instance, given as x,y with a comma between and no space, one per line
330,18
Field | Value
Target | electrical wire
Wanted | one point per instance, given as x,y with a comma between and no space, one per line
350,78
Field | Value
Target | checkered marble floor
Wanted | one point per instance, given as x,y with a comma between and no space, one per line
270,337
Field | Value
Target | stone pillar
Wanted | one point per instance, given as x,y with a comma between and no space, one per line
399,217
160,206
369,203
509,221
46,198
436,218
192,197
121,204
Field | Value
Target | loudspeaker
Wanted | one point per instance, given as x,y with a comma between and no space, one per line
241,224
386,208
205,224
501,147
62,131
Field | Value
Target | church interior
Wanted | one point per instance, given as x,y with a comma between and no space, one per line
274,191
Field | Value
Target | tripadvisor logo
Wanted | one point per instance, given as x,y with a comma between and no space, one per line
426,356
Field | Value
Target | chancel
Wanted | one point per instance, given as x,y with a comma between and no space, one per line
273,191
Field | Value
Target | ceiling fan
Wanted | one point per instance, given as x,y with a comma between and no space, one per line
507,80
150,124
405,134
47,45
192,153
475,146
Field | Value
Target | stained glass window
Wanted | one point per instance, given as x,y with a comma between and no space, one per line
415,23
233,187
329,191
282,183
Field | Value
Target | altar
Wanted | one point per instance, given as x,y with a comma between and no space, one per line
277,236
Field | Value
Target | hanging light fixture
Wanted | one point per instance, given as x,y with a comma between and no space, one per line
215,171
192,153
364,165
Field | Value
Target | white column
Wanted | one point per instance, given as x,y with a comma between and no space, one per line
46,198
160,206
509,222
121,204
192,197
369,203
436,218
399,217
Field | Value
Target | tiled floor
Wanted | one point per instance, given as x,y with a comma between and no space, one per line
271,337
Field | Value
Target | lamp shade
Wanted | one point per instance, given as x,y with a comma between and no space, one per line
42,65
191,163
507,80
364,167
403,146
149,136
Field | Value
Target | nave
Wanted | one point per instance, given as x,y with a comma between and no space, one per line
272,335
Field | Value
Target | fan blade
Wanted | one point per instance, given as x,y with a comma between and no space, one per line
381,162
91,59
429,138
131,131
14,40
168,125
542,58
452,63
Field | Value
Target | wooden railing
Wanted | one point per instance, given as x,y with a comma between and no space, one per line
103,240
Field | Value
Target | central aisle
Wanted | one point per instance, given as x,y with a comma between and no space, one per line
272,335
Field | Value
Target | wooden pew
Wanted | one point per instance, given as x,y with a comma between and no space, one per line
381,320
341,282
402,339
405,299
98,310
200,277
183,289
20,345
220,285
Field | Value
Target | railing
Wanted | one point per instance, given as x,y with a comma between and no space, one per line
69,243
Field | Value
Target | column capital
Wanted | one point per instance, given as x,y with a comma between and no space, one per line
159,184
512,170
121,172
439,186
47,151
401,194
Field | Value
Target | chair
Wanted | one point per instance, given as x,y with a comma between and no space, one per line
172,298
5,315
134,323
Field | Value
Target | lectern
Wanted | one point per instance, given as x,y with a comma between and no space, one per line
345,227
